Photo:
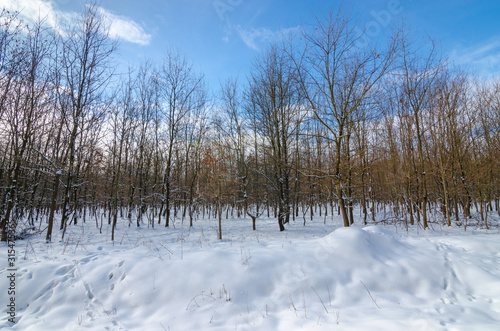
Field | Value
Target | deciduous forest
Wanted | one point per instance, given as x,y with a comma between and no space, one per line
326,121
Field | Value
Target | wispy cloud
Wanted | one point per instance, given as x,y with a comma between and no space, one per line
255,37
120,27
38,9
484,57
124,28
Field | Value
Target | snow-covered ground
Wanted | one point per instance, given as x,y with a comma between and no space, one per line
309,277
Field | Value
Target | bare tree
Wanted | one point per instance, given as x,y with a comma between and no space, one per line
195,129
417,79
146,99
276,96
24,105
449,98
123,122
179,88
337,77
85,70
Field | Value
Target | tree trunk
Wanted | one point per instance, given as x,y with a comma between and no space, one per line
53,205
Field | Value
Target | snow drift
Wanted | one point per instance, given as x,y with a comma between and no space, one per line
179,279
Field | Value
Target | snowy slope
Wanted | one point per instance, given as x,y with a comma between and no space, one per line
314,277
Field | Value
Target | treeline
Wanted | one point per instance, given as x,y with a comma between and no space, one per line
324,122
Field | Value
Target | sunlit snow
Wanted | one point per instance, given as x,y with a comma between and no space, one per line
309,277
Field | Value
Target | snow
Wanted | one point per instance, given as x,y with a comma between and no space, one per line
317,276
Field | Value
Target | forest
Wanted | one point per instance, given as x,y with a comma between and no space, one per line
327,120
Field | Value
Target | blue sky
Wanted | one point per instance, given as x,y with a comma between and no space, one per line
222,37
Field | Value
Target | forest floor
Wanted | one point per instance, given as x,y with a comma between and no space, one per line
317,276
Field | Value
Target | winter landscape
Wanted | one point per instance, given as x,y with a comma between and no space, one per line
249,165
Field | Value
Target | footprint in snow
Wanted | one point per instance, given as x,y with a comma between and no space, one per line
85,260
46,292
89,257
63,270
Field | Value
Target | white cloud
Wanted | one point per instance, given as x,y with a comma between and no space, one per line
255,36
121,27
484,57
35,9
